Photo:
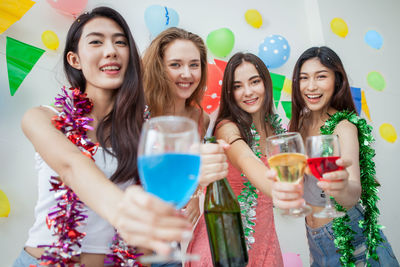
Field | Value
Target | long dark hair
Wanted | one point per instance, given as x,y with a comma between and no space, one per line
121,127
341,98
229,109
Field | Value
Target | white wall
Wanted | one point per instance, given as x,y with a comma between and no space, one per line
302,23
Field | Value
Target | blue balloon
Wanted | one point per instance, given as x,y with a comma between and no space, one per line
159,18
274,51
373,39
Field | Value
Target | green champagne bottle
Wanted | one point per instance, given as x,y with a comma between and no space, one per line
224,225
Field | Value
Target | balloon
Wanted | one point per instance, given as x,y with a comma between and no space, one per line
253,17
212,95
220,42
159,18
50,40
4,205
339,27
376,80
291,259
373,39
388,132
69,7
274,51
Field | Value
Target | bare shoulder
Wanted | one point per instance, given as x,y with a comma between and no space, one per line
36,117
346,128
228,131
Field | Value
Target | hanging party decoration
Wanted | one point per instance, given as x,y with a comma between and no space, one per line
277,85
221,42
274,51
212,94
373,39
356,94
364,105
287,107
376,81
21,58
287,86
11,11
50,40
159,18
254,18
4,204
68,7
388,132
339,27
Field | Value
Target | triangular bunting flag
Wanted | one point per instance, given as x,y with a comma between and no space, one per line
287,107
21,58
11,11
356,94
277,85
287,86
364,105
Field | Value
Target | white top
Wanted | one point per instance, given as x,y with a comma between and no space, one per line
99,232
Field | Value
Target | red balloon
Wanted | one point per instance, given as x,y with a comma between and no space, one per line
213,93
69,7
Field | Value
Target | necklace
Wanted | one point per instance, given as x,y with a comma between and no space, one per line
68,214
248,196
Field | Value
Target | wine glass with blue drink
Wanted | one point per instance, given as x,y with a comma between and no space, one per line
169,166
322,152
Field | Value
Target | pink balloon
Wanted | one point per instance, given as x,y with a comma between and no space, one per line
69,7
291,259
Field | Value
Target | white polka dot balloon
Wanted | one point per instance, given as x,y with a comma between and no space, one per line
274,51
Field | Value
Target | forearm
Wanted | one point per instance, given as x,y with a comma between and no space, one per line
255,170
92,187
350,196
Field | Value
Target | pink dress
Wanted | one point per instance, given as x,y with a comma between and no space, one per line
265,251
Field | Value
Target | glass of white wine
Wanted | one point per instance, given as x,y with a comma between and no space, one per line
286,156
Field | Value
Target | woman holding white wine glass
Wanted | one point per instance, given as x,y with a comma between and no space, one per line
322,104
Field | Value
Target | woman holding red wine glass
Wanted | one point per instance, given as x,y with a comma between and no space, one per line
322,105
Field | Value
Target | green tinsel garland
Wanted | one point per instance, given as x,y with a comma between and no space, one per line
248,196
342,231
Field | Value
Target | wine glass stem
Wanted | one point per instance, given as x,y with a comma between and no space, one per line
328,203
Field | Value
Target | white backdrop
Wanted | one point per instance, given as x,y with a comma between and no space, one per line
303,23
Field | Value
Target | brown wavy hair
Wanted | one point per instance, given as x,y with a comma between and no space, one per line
341,98
155,78
121,127
230,110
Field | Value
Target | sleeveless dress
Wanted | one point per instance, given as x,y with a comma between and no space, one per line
265,251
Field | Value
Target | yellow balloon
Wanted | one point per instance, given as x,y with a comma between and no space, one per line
253,17
388,132
4,205
50,40
339,27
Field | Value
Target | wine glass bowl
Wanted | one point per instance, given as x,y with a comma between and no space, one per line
169,166
322,152
285,154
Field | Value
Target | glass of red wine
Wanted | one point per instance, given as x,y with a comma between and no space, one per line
322,152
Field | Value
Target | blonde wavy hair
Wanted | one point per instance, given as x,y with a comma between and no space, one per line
156,82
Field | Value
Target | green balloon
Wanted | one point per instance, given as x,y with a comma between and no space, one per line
220,42
376,81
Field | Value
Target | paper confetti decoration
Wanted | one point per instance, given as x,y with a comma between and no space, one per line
287,87
388,132
287,107
364,105
356,94
21,58
277,85
4,205
12,11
